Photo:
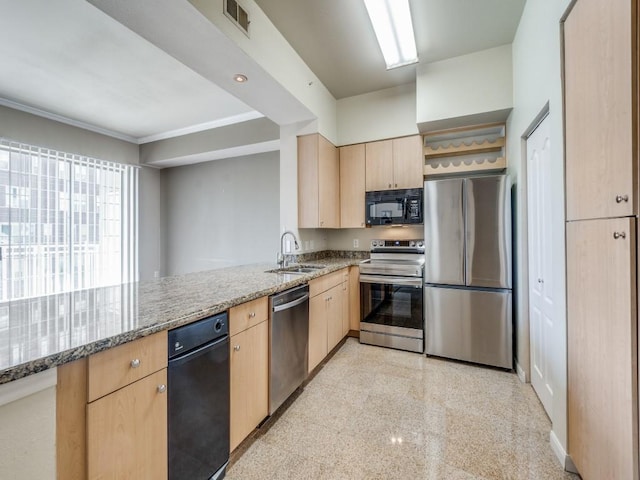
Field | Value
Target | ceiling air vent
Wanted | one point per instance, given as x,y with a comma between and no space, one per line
237,14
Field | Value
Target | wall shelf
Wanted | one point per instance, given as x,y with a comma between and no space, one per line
473,147
464,166
465,150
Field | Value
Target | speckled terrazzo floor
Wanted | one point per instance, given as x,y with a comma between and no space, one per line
375,413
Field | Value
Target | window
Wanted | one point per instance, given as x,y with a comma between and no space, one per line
67,222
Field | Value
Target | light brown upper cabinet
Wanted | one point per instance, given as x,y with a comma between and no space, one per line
352,164
393,164
600,99
318,183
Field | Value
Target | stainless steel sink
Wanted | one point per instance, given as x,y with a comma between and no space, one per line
298,269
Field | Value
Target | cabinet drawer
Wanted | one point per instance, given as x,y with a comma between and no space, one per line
324,283
120,366
248,314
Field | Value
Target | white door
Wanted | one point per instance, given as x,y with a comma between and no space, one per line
541,301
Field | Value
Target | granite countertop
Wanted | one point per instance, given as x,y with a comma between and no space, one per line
44,332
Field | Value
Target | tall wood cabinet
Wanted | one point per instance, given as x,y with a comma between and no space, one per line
602,328
318,183
393,164
600,64
352,186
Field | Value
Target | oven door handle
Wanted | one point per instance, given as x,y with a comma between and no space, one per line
384,280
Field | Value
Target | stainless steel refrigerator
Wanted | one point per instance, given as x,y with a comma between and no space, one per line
467,232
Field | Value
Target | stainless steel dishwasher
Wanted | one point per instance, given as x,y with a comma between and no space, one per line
288,343
198,402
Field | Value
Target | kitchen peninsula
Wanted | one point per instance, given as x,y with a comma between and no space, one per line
95,335
102,318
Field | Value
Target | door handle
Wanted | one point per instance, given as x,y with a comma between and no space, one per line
622,198
617,235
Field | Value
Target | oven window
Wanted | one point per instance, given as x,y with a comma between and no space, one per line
391,305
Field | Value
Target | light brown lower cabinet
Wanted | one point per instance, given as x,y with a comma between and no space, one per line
127,431
327,321
354,298
334,312
249,363
345,302
602,347
115,428
317,330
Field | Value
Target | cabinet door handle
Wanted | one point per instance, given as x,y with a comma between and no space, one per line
252,314
617,235
622,198
135,363
162,388
236,348
540,280
389,185
396,185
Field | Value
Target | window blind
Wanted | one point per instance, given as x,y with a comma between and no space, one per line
67,222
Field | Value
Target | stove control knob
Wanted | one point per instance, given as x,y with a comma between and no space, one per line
420,244
374,243
412,243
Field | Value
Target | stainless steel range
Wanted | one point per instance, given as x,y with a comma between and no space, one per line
391,300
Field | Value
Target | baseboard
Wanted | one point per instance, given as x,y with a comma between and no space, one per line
561,454
521,373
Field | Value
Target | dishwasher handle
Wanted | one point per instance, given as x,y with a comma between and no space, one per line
289,305
201,350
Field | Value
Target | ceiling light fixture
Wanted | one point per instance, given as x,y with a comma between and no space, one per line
238,77
391,20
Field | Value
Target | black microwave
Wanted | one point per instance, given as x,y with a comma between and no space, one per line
394,207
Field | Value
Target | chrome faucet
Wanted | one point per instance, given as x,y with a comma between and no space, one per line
282,261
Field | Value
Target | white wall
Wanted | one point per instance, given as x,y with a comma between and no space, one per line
42,132
28,427
386,113
221,213
150,223
536,81
465,90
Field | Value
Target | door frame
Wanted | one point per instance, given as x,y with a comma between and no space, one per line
524,372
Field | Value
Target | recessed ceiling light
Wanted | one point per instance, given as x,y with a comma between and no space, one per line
238,77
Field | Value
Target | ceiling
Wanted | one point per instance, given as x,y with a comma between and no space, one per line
117,70
336,40
70,59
